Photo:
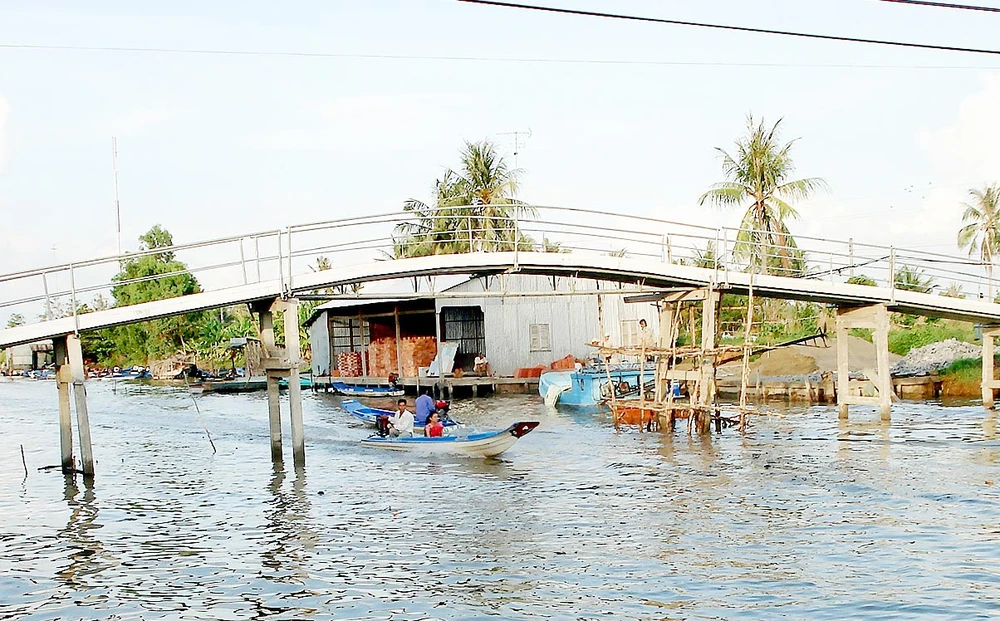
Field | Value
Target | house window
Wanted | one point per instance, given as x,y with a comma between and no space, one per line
348,335
540,337
630,333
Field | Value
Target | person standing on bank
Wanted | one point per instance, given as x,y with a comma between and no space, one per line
401,421
424,406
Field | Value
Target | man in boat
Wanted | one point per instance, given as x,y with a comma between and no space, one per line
401,423
424,406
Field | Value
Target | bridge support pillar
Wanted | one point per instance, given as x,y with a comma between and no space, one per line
876,318
989,383
70,371
283,362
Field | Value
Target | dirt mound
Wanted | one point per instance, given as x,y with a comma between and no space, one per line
797,360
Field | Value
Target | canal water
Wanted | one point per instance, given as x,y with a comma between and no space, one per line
804,518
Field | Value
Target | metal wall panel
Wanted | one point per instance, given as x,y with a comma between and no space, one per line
319,342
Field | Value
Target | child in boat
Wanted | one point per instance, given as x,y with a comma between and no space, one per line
433,428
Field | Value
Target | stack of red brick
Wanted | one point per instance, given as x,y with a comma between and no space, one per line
349,364
417,351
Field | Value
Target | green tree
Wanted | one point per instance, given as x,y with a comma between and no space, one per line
16,319
913,279
861,279
757,175
473,209
954,290
150,277
982,233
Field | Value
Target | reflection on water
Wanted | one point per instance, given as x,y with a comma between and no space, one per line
808,516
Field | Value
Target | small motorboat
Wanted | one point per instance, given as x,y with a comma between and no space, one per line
486,444
351,390
370,415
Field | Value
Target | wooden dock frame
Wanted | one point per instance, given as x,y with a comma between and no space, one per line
700,409
874,317
282,362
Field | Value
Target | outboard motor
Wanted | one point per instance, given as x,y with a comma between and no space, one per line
382,426
442,408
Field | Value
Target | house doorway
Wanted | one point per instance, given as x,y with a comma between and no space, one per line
464,326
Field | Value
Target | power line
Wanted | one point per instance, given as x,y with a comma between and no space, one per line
496,59
786,33
946,5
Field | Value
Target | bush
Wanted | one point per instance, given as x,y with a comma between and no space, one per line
901,341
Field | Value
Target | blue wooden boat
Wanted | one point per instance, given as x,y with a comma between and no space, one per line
370,415
486,444
590,386
367,391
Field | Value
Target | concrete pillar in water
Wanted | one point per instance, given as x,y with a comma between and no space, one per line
263,310
884,379
80,395
64,377
989,384
874,317
294,386
279,363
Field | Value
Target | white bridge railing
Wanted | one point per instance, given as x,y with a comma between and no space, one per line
281,255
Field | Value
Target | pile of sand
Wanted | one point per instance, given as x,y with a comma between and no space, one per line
800,360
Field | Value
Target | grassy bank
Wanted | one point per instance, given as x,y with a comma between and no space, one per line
962,378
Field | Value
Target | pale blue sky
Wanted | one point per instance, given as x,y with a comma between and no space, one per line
211,145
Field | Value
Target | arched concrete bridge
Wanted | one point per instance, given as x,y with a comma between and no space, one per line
654,254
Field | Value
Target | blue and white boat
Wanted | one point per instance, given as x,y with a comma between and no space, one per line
591,386
370,415
486,444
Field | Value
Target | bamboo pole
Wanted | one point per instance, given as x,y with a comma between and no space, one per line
745,371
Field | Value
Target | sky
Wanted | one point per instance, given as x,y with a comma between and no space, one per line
219,144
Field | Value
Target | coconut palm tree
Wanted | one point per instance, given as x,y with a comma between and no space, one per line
757,175
982,233
473,209
913,279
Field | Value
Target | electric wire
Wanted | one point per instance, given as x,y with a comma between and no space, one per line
495,59
786,33
946,5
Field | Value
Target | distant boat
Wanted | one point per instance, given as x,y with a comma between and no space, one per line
368,391
591,386
370,415
249,384
135,373
487,444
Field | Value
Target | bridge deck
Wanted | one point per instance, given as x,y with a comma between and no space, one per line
648,272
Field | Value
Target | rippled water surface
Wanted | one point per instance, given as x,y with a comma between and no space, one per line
805,518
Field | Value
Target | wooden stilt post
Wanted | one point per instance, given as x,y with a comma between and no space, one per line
706,383
843,373
64,377
75,352
294,386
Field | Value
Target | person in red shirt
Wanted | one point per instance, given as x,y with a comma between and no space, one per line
433,428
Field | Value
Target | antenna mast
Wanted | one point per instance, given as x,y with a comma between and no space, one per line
118,209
